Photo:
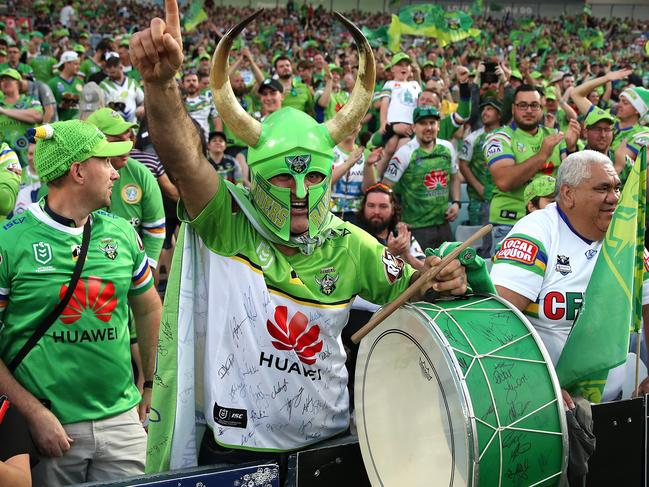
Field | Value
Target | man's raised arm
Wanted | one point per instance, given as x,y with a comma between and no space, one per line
157,52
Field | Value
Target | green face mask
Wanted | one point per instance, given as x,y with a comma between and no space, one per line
291,143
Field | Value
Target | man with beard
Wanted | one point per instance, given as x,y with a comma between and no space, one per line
199,107
380,216
296,95
425,174
518,153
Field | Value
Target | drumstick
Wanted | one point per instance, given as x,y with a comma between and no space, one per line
416,286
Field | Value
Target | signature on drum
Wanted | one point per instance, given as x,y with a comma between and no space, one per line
425,371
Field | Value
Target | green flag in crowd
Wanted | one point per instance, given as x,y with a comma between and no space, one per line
195,15
591,38
378,36
612,303
477,8
430,20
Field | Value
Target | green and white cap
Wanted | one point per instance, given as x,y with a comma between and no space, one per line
61,144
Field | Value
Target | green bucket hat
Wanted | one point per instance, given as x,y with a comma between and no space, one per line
61,144
110,122
597,115
491,101
540,186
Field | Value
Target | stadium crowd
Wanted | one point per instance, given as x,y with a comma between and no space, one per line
458,134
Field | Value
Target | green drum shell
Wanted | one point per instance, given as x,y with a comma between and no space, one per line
487,388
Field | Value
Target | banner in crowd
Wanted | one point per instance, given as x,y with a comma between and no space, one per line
195,15
429,20
612,303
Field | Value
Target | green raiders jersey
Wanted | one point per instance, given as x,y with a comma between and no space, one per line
12,131
471,152
423,179
272,340
137,198
298,97
510,142
82,364
67,94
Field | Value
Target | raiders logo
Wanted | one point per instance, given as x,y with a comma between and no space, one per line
298,164
393,266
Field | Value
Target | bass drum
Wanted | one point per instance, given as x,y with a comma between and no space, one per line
459,392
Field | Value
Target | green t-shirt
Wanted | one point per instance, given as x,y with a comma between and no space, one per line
507,207
22,68
42,66
471,152
13,131
89,67
83,362
137,198
299,97
422,180
67,93
336,101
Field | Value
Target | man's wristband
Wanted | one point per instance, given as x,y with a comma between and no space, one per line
457,202
148,384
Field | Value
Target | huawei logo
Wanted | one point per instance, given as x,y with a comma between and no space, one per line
294,335
435,178
91,293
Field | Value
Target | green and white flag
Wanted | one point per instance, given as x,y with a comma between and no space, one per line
194,16
612,304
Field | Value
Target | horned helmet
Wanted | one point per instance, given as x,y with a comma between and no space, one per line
290,141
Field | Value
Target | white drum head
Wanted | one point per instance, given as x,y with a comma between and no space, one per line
410,410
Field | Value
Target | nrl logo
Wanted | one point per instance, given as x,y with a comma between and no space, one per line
298,164
327,283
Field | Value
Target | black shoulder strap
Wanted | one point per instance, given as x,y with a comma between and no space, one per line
53,316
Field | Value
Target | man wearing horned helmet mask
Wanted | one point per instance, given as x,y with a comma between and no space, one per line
263,280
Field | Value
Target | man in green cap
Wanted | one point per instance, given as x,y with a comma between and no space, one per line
330,99
75,385
473,164
424,172
17,113
599,131
630,110
67,86
136,195
125,59
287,259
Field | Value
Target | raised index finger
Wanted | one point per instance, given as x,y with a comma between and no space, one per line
172,19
